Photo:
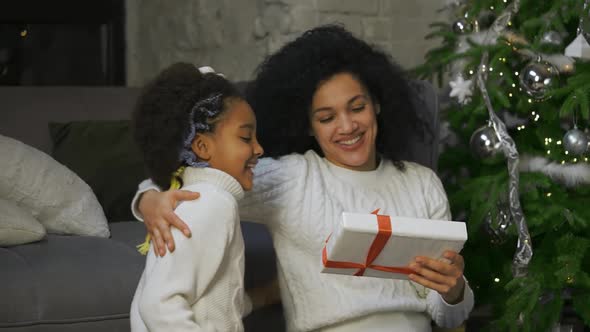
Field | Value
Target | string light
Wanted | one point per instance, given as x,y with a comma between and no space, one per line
575,160
530,100
510,94
567,152
513,85
516,73
549,194
501,74
24,33
470,72
563,162
548,151
558,142
496,279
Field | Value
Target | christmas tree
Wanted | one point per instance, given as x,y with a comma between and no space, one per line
518,171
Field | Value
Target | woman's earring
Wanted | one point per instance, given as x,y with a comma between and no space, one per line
377,109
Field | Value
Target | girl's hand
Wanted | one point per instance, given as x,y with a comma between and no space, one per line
444,276
157,209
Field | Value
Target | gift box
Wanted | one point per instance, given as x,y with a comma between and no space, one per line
382,246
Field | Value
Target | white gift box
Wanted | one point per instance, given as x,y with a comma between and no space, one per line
347,248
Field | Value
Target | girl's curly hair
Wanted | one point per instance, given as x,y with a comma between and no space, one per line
285,83
161,118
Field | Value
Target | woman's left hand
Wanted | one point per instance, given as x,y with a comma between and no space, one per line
444,276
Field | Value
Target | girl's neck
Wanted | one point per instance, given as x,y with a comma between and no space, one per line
193,175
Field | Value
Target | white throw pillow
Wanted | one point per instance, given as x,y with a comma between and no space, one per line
55,196
18,226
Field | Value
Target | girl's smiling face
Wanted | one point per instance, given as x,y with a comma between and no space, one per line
232,147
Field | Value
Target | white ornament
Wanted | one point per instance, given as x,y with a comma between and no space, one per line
462,89
571,175
578,48
564,64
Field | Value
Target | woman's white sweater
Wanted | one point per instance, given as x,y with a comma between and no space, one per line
301,199
200,286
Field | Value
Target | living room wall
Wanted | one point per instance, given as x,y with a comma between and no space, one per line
234,36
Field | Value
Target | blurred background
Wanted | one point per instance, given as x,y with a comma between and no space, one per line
118,42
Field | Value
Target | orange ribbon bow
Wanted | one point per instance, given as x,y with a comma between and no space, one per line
383,235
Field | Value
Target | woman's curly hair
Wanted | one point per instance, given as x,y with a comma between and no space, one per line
161,118
285,83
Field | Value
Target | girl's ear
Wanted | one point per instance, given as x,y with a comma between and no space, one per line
202,147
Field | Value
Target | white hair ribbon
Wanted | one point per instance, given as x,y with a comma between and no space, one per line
206,69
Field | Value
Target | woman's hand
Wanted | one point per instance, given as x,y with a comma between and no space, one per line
157,209
444,276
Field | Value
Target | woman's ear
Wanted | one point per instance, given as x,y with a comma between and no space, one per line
202,147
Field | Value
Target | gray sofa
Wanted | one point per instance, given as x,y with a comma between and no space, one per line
76,283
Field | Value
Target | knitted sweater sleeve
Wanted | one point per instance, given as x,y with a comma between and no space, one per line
178,280
144,186
444,314
274,179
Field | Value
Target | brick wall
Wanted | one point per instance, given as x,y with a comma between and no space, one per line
233,36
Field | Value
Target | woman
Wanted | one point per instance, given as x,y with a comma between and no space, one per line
356,105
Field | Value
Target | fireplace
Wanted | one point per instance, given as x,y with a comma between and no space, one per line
62,42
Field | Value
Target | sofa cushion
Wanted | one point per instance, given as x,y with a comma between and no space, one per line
17,226
44,284
71,279
104,155
54,195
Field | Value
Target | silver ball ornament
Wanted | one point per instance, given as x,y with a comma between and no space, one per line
484,142
462,26
575,142
538,77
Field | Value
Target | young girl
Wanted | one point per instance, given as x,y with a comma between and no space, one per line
195,131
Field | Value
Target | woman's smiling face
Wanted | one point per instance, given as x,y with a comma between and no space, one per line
344,123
